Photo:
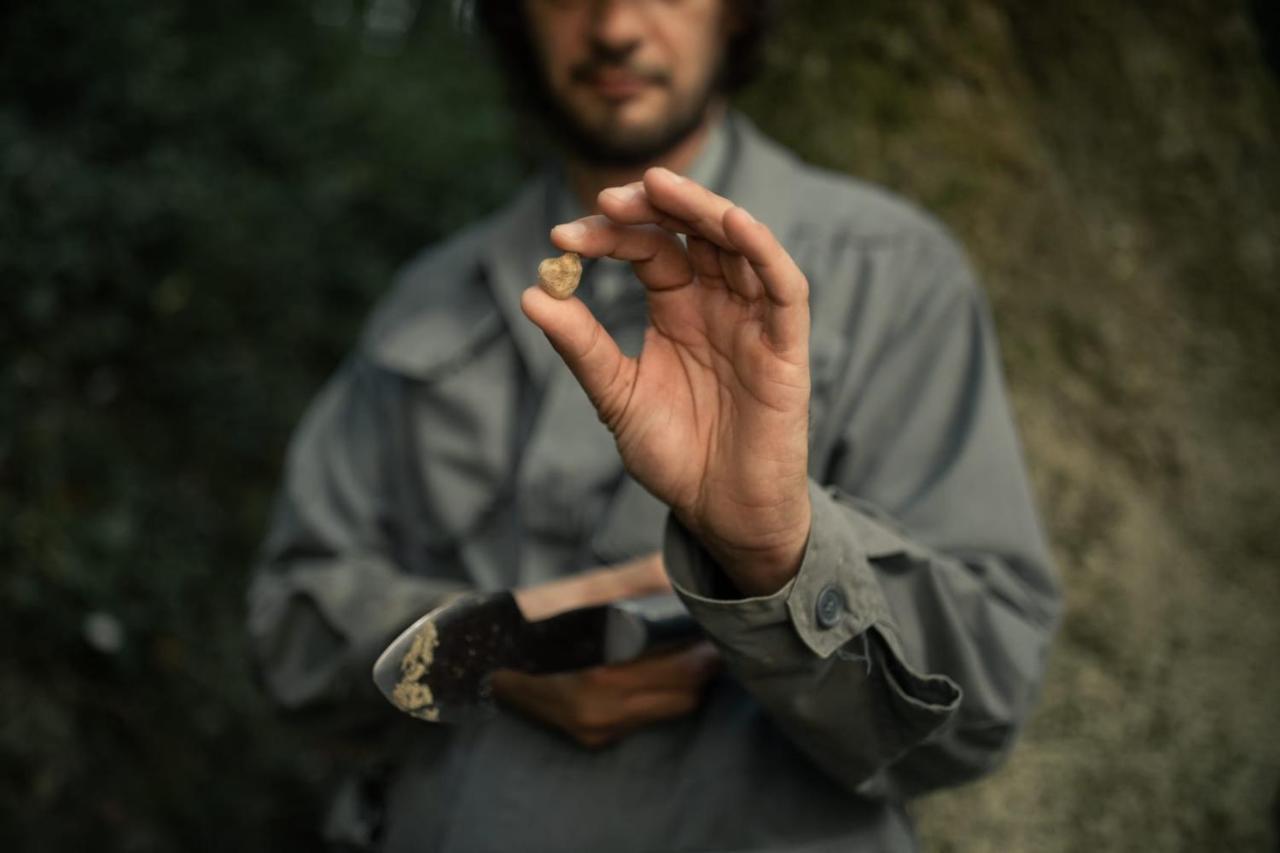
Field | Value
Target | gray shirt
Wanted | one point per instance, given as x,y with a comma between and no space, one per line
454,451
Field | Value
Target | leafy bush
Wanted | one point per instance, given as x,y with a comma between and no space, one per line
199,202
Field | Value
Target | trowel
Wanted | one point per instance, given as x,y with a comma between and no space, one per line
439,669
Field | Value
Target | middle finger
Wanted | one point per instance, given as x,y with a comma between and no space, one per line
656,255
671,201
690,202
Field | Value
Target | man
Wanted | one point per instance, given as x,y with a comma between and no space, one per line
794,417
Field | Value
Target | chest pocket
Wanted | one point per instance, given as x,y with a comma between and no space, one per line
632,526
839,272
827,356
461,424
570,474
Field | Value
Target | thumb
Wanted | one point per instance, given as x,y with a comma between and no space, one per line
589,351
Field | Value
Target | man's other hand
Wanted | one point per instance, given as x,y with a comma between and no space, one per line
712,417
598,706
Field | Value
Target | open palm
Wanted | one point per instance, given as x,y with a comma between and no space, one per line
712,417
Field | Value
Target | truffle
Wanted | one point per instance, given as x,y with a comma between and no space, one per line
559,277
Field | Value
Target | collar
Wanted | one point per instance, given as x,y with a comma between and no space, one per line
708,169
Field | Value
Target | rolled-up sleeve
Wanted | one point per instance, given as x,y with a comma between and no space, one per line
908,650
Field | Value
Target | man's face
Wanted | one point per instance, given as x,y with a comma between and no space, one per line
629,78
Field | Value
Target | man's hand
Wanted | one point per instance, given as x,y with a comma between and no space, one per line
597,706
712,417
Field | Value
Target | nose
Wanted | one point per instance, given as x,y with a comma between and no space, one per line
617,26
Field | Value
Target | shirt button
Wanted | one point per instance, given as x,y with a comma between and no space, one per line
830,606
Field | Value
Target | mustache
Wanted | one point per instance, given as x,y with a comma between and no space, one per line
587,70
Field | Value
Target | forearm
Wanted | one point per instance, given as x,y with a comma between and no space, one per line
895,668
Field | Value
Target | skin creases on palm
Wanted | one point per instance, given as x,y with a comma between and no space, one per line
714,420
712,417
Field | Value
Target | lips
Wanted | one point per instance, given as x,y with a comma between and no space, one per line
618,85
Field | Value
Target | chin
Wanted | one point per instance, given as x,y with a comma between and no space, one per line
641,115
628,138
626,130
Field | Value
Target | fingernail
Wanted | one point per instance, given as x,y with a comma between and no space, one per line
622,194
569,231
677,179
750,218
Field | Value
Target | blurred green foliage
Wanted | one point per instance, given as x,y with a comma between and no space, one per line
199,202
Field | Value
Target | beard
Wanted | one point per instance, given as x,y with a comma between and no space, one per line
610,145
624,147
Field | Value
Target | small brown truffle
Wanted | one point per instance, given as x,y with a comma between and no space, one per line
559,276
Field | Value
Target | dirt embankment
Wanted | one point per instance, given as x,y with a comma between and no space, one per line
1115,174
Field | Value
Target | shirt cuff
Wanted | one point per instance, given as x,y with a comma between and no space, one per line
834,596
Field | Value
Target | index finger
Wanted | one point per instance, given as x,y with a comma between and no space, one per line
672,201
656,255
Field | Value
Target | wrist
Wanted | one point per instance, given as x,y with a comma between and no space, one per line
759,562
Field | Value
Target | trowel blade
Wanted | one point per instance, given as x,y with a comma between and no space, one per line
439,668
